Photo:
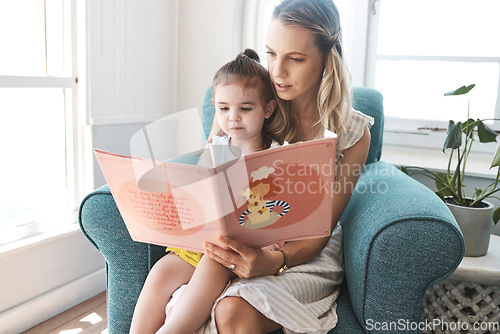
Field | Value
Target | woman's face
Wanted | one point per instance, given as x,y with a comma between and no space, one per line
295,62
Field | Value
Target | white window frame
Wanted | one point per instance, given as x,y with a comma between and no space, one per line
415,132
73,131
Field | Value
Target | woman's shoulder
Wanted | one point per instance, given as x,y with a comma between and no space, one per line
357,121
355,127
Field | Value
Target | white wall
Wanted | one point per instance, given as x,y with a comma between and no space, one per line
132,58
150,59
208,37
44,276
130,70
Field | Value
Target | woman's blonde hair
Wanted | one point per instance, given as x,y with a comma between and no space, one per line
321,17
247,71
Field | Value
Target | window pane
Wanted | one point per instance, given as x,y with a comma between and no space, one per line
58,38
33,169
439,28
22,37
32,37
415,89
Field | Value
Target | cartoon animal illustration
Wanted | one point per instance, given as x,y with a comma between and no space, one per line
260,211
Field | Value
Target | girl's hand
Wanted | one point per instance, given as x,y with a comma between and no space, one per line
248,262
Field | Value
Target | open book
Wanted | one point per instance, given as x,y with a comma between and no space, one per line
280,194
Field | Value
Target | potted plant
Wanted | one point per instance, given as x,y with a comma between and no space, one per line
473,214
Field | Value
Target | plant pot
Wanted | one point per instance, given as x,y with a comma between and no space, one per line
475,224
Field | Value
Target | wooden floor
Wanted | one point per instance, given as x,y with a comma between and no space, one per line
88,317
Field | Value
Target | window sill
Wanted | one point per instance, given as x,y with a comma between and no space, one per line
402,155
40,238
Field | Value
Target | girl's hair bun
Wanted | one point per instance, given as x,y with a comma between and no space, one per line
250,54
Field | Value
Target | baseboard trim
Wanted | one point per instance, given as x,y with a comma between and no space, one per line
52,303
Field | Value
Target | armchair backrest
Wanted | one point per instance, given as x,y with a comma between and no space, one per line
370,102
366,100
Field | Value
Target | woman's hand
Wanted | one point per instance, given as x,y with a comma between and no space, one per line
248,262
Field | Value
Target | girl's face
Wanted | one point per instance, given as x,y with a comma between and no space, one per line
295,62
240,114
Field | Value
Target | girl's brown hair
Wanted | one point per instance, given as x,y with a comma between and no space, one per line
321,17
247,71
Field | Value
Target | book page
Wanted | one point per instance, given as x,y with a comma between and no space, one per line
286,194
196,184
167,205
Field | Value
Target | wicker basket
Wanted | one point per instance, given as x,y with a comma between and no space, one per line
461,307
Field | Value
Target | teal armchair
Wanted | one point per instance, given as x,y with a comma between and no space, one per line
399,238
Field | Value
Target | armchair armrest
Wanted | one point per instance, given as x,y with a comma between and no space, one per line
399,238
127,261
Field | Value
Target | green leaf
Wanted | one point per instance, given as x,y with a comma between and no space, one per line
443,185
460,91
496,215
496,158
486,134
441,179
468,127
453,138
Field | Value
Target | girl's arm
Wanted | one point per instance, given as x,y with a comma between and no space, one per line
251,262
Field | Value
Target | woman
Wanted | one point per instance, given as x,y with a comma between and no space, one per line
307,68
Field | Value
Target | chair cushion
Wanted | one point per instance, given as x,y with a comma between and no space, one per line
348,322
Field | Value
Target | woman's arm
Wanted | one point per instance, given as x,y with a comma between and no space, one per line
251,262
348,173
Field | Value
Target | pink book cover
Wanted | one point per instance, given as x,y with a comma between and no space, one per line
275,195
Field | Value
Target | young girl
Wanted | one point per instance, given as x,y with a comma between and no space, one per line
306,65
244,100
